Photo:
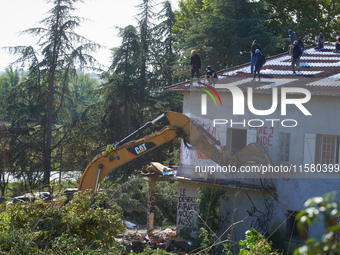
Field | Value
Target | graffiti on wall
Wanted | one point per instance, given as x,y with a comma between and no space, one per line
264,136
187,154
187,209
263,217
152,199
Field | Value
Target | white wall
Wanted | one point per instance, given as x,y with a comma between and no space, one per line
292,192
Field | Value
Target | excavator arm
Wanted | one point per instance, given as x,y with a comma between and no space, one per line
180,126
126,151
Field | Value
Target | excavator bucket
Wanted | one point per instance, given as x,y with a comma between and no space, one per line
195,135
253,153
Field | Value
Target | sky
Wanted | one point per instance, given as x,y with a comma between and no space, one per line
103,16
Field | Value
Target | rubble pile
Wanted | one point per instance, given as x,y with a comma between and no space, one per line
134,240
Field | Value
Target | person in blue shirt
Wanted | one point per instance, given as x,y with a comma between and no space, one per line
292,36
254,47
260,61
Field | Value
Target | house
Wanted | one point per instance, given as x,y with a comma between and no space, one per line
295,118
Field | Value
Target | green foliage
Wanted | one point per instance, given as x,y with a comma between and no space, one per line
308,18
86,217
209,208
149,251
82,225
326,209
132,197
41,99
208,221
222,31
255,244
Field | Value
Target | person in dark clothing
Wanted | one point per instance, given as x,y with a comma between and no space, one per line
195,66
300,42
319,41
254,47
292,36
337,46
297,52
211,76
260,61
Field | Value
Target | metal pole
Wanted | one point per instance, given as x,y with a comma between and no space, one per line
99,170
148,124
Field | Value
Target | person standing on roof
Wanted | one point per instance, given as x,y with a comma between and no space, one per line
319,41
337,46
195,66
260,61
211,76
297,53
300,42
253,55
292,36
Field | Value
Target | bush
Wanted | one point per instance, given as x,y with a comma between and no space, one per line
324,208
132,197
255,244
82,225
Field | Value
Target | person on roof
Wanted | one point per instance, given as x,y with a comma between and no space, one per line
292,36
300,42
320,39
211,76
337,46
254,47
195,65
297,53
260,61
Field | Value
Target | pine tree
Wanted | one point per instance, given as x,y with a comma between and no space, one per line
63,51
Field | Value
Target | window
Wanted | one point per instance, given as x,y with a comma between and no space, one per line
327,149
236,139
284,146
291,227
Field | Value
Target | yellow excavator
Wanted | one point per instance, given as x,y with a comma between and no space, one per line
180,126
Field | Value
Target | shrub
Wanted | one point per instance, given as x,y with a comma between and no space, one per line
132,197
324,208
87,218
255,244
82,225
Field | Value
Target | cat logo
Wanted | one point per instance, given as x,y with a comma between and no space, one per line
140,148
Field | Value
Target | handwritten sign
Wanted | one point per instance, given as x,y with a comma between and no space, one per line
187,210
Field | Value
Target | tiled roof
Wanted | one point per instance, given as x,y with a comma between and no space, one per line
320,74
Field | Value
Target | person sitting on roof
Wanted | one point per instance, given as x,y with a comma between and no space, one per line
319,41
337,46
260,61
211,76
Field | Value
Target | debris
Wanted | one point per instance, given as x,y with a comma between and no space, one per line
129,224
159,169
30,197
137,240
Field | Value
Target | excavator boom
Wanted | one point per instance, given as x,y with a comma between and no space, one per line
180,126
126,151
